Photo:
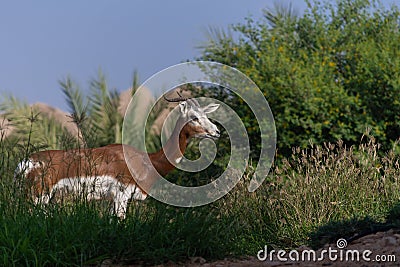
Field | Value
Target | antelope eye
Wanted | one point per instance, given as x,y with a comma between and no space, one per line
195,119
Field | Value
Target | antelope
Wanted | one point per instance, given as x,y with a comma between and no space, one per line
103,172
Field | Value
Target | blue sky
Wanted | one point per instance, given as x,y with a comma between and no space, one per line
44,41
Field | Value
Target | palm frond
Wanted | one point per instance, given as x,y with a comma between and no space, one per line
135,82
31,127
106,119
280,14
73,96
215,37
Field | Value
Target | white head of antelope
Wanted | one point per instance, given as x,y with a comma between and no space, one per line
194,118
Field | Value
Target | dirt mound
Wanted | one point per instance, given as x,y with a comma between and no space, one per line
381,249
61,116
58,115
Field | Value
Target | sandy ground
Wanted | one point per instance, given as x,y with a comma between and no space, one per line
381,249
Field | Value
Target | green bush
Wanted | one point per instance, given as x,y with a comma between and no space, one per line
327,75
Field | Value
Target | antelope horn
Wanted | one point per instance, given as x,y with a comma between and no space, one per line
177,99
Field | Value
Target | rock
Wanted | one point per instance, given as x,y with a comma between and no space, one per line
391,241
199,260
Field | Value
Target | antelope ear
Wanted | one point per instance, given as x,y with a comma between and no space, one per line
183,106
210,108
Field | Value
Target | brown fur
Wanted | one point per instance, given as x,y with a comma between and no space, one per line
108,160
132,168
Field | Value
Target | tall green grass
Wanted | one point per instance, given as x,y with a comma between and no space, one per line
303,194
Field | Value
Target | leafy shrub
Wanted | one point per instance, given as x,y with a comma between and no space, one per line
327,75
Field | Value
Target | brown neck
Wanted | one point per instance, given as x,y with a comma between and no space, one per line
174,148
